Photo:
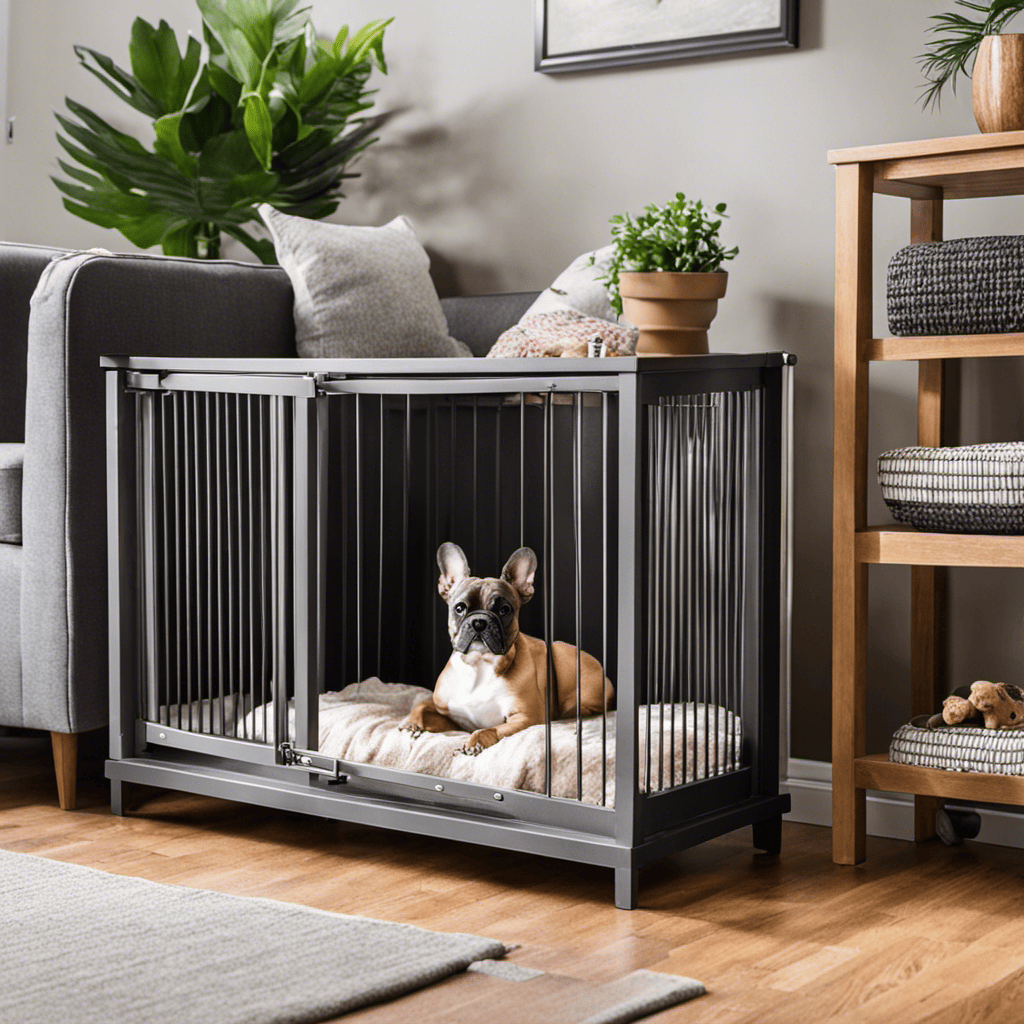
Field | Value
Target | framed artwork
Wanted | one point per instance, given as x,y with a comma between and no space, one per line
582,35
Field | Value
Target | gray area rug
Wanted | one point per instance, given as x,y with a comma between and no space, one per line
82,946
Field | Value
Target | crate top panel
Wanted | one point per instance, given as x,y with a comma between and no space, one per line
961,167
475,367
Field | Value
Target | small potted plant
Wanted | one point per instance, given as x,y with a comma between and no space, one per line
665,274
955,39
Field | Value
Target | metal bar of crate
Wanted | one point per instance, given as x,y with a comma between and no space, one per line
308,476
121,576
359,534
380,544
196,556
281,583
604,597
145,404
630,516
550,680
468,386
406,489
577,515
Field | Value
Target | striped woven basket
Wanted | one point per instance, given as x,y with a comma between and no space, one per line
978,488
961,748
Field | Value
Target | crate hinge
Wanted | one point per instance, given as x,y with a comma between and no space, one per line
312,761
136,381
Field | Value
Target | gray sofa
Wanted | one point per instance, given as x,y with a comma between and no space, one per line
53,634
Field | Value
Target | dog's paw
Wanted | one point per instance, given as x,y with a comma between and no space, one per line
414,730
478,742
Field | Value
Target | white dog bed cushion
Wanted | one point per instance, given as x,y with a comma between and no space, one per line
359,724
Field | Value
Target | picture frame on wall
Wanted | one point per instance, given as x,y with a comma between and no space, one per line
584,35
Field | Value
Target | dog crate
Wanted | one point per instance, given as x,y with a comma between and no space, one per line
274,612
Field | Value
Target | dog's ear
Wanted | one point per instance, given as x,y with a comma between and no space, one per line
519,571
451,560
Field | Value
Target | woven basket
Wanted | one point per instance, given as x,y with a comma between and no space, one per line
961,748
963,286
974,489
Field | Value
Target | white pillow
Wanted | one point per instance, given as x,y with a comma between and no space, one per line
577,287
360,292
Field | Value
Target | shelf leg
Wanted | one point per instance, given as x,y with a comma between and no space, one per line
927,583
854,195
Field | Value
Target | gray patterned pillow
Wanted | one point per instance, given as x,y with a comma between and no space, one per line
360,292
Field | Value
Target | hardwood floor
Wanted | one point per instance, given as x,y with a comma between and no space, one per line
917,934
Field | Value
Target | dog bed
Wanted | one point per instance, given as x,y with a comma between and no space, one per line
359,724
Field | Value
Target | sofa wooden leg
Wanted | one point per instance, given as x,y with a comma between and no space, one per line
65,761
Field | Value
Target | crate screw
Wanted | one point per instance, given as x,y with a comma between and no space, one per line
439,788
163,736
498,796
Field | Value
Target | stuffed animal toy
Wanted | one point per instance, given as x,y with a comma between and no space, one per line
1000,705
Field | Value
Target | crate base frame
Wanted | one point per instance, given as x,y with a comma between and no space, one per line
232,780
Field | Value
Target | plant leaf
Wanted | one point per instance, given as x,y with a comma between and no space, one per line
125,86
168,143
259,127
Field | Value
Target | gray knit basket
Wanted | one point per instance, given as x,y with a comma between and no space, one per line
963,286
959,748
977,488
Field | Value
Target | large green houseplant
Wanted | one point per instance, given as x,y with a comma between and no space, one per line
273,115
666,273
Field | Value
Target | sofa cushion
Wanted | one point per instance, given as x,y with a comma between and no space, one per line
580,287
12,457
360,292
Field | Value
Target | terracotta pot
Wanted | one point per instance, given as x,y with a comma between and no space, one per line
673,311
997,85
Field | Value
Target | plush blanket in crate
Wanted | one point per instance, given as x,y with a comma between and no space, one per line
359,724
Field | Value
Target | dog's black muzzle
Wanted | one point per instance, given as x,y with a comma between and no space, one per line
483,626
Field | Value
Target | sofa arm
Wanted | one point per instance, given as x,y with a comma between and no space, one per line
20,267
87,305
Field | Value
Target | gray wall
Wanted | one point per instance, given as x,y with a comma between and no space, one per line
509,174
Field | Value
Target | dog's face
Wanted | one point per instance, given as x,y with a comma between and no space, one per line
483,612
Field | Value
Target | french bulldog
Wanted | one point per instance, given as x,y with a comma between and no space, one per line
495,682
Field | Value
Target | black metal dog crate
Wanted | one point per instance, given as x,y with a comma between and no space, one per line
273,526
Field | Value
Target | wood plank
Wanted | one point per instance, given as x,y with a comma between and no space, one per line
849,506
962,346
876,771
903,545
927,582
926,147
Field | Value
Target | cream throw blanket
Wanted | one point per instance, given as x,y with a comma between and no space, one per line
359,724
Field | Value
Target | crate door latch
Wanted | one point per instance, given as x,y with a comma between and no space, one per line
312,761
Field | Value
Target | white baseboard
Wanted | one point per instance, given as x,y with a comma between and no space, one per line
809,783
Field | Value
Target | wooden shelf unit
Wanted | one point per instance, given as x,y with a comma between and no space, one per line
927,173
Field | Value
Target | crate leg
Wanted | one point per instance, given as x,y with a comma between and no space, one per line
768,835
119,792
626,888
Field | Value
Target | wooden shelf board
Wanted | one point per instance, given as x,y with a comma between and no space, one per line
876,771
903,545
926,147
966,167
959,346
